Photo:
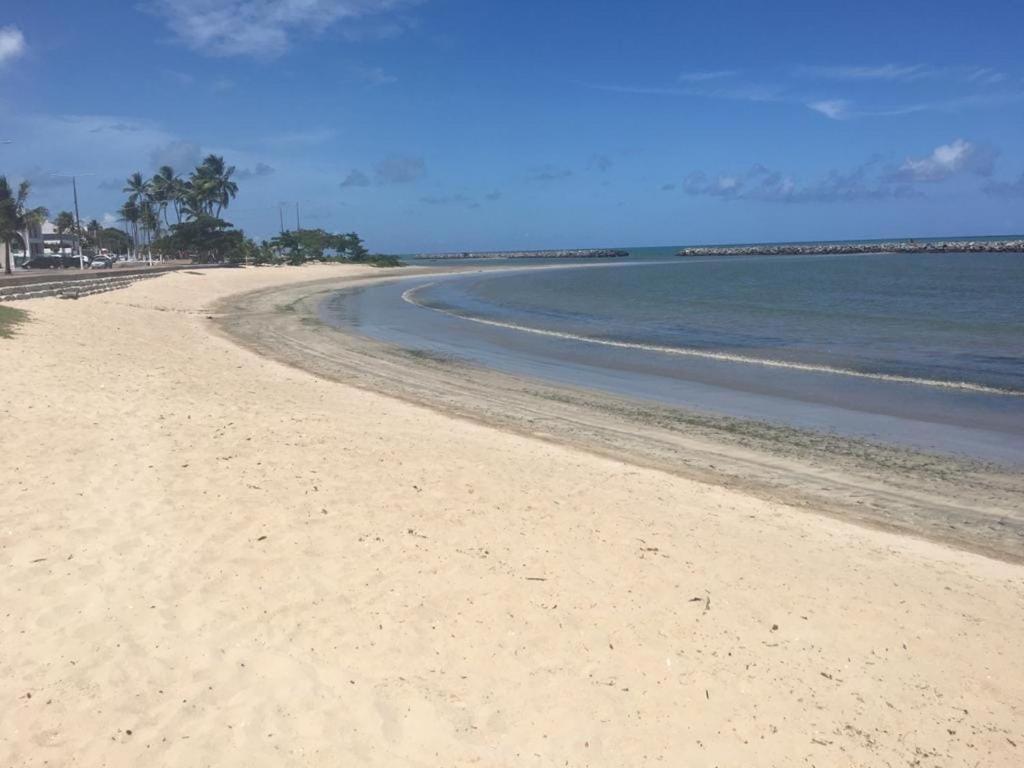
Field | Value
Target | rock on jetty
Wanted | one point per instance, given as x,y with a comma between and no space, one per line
600,253
896,246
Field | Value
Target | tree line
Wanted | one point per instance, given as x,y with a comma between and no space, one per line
174,216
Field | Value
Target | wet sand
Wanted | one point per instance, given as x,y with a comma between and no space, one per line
213,558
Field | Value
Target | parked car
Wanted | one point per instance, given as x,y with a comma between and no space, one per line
101,262
51,261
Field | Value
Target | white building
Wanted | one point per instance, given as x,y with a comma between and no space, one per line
43,239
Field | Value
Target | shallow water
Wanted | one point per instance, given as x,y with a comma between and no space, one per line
956,318
921,350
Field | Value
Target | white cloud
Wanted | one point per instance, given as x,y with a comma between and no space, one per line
834,109
399,169
259,27
891,72
703,77
182,156
765,185
374,76
740,92
945,161
12,44
984,75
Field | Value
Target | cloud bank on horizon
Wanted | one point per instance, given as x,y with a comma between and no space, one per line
429,125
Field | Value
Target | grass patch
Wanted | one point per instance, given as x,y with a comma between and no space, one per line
383,261
10,318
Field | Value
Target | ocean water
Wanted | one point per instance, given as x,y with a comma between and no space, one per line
920,350
953,319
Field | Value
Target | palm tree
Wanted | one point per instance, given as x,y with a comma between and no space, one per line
130,214
150,221
16,218
138,188
212,182
65,222
166,191
95,230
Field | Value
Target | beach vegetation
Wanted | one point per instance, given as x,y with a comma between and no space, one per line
317,245
10,317
174,216
383,260
16,216
206,238
64,223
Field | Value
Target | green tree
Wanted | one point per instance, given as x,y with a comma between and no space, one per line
211,186
138,188
149,220
115,240
207,239
93,235
64,223
167,191
352,246
130,215
16,216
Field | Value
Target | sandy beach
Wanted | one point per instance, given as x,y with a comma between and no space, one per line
212,557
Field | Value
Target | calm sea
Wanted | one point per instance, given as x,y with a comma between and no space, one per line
921,350
949,318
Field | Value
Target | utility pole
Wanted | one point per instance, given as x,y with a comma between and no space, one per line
280,213
78,220
78,225
298,226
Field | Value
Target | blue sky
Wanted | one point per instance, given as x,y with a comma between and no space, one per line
451,124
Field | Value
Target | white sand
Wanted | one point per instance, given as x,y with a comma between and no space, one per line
241,564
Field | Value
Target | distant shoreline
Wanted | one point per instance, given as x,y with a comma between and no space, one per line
584,253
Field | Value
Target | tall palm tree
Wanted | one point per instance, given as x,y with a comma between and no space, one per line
16,217
150,221
190,200
95,231
166,192
212,182
131,214
138,188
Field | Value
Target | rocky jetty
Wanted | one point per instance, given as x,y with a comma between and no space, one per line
896,246
599,253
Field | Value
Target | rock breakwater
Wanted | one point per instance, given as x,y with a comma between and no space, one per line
895,246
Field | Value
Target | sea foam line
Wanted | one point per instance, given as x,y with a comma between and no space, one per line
408,296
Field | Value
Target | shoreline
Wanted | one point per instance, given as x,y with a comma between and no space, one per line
767,362
960,502
215,558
